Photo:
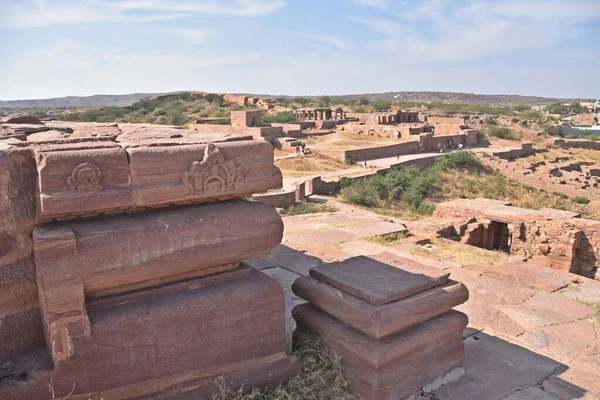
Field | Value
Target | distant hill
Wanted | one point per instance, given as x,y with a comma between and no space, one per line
461,98
434,97
98,100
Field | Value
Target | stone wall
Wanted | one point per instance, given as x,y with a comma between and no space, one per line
279,199
392,150
254,132
578,143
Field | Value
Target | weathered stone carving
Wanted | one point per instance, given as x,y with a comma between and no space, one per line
213,174
85,178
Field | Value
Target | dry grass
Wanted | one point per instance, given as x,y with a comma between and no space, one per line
308,208
462,254
388,239
320,378
311,165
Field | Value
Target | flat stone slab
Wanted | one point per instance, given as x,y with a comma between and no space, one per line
296,261
495,368
530,275
376,282
562,342
586,292
378,321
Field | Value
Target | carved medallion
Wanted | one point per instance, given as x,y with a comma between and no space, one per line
85,178
213,175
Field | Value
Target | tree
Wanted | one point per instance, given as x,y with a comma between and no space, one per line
381,104
325,101
303,101
363,101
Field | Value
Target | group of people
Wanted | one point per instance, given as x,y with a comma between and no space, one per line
301,150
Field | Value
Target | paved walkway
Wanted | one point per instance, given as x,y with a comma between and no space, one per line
533,331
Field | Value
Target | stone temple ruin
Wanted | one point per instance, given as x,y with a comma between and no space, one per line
120,272
549,237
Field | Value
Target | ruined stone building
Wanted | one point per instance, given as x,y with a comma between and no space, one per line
318,114
548,237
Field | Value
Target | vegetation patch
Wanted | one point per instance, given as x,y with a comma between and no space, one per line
389,238
462,254
308,208
412,192
320,377
406,187
581,200
177,109
502,132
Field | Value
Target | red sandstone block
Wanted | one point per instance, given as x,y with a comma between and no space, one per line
378,321
175,339
74,182
83,259
376,282
397,365
162,175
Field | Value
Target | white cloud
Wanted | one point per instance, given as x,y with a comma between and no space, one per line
372,3
235,7
473,29
194,35
39,13
332,41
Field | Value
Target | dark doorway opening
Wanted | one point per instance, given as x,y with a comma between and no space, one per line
501,238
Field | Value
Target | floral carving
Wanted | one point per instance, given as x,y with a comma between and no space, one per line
213,175
85,178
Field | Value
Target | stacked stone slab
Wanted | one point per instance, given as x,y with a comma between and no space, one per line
120,272
392,324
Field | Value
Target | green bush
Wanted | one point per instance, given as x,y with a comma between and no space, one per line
410,185
581,200
502,132
381,104
279,117
360,194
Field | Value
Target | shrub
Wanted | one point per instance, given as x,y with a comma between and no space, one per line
280,117
381,104
501,132
581,200
361,194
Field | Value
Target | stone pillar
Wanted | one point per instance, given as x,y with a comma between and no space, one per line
391,322
300,191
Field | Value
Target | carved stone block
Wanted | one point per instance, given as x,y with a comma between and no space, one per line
83,181
202,172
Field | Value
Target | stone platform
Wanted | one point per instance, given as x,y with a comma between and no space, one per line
394,329
172,338
120,264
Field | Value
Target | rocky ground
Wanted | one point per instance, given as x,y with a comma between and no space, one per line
533,331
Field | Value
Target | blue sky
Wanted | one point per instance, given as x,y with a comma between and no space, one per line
53,48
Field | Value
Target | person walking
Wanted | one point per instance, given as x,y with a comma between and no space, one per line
297,151
364,163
